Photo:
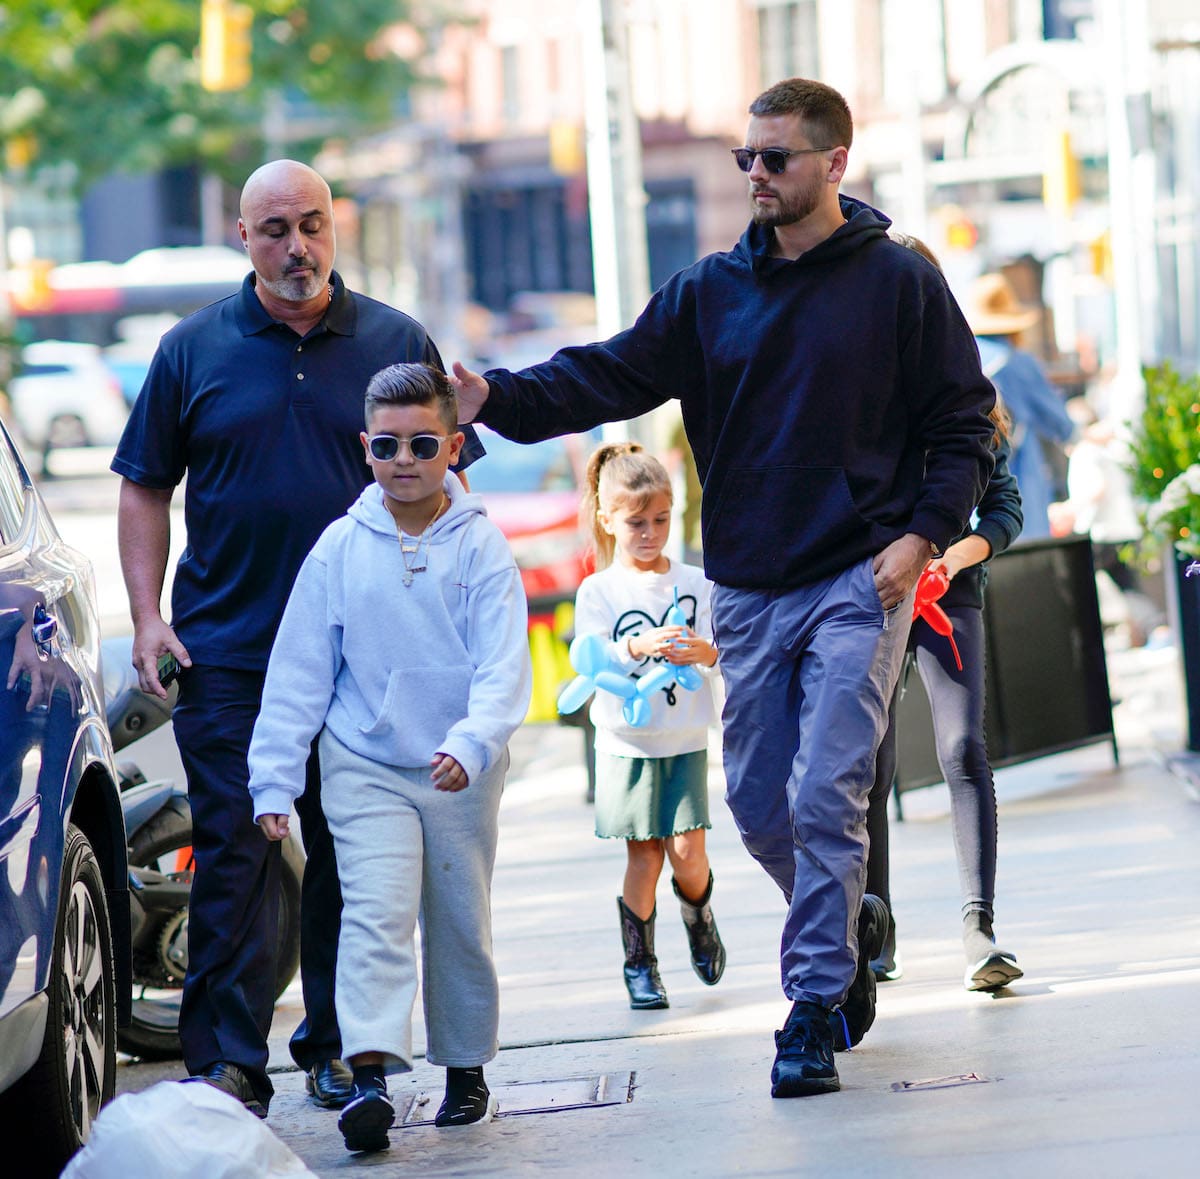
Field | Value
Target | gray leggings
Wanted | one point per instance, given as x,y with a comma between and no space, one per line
956,700
405,849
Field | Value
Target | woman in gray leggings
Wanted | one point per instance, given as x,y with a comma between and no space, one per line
956,700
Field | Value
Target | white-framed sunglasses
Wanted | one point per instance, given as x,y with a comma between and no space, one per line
424,447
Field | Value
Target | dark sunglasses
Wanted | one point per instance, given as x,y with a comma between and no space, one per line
774,158
425,447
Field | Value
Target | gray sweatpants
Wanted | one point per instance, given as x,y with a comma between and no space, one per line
808,674
406,850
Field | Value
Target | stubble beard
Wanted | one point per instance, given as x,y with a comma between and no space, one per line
295,288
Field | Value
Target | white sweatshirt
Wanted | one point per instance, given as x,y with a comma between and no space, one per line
396,673
620,602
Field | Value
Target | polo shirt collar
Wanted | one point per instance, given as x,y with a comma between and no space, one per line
340,318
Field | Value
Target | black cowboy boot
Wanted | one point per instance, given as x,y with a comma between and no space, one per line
646,991
708,951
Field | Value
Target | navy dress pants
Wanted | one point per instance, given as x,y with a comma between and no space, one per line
317,1038
229,991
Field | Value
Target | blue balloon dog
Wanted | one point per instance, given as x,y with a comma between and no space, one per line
589,657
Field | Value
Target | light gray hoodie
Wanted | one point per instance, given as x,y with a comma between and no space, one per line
397,673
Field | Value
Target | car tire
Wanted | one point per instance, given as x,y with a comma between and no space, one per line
153,1031
52,1107
62,432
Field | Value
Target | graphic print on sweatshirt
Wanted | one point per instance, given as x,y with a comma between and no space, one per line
632,623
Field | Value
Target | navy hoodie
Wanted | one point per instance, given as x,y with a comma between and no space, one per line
833,402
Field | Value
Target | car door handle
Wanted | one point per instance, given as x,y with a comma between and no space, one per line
45,627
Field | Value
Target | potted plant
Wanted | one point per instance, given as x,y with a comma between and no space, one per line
1165,474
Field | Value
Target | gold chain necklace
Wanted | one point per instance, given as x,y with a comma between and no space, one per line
414,550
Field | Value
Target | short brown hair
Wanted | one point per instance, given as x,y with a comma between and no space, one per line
821,108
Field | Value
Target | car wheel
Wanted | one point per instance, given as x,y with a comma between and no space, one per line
57,1101
64,431
160,957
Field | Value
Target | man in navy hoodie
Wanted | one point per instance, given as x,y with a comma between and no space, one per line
832,395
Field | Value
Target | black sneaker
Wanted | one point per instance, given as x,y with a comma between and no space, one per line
850,1022
468,1100
804,1062
887,968
365,1121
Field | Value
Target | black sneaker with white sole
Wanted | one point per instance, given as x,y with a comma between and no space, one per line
365,1121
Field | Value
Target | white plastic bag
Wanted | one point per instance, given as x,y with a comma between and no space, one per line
179,1130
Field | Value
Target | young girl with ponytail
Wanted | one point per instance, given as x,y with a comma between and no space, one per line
651,778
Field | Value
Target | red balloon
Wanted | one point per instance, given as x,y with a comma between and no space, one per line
931,586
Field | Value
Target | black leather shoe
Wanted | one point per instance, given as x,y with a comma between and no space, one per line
330,1084
230,1079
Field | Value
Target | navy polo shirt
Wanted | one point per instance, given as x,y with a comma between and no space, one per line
265,427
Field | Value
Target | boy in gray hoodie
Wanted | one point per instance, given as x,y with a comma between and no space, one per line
404,647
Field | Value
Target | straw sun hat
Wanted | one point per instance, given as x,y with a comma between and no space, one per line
993,308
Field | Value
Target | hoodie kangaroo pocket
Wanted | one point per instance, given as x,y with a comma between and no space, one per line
419,708
770,521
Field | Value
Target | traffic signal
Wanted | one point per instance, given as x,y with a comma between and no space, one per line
225,44
567,154
961,234
1061,187
1100,256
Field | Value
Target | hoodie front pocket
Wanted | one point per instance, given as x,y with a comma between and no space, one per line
420,706
769,521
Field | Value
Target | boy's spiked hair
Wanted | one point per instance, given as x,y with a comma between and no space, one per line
413,384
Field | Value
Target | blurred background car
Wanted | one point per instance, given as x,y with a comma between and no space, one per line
137,340
64,900
64,395
532,493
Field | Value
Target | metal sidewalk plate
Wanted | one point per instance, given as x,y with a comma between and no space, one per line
532,1097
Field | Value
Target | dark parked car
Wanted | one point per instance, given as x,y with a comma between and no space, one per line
64,900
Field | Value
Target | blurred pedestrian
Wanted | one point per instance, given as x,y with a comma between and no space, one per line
1100,505
957,696
1038,414
651,776
257,400
833,400
404,646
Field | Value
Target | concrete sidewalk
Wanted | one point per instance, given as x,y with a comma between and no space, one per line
1089,1065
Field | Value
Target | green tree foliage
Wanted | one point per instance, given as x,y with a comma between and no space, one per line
114,84
1166,439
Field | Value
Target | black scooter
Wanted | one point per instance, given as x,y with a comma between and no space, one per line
158,827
